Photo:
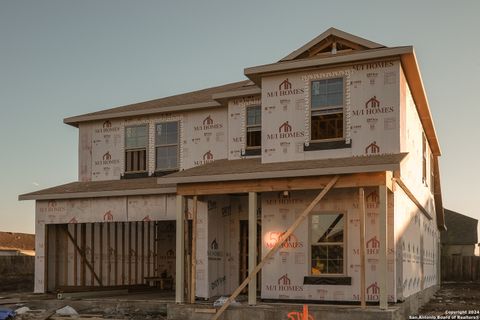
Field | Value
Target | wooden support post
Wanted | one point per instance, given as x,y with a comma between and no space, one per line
149,240
277,246
382,221
92,251
252,246
193,271
136,253
129,252
65,255
123,253
180,251
142,275
361,206
83,241
100,263
57,257
109,255
75,254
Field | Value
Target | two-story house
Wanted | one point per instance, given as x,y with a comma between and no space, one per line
222,173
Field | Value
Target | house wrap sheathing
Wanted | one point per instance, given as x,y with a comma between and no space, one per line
122,222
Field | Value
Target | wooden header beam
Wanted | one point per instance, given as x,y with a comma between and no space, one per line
355,180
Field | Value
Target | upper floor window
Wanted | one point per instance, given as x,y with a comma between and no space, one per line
254,127
327,243
136,142
327,109
166,146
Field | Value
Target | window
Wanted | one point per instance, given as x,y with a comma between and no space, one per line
327,109
166,146
254,127
136,141
327,244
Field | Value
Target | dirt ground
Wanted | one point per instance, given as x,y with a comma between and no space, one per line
461,296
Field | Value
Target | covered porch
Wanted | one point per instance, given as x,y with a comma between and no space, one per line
255,180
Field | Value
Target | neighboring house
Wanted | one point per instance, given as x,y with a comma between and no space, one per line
17,244
461,236
259,149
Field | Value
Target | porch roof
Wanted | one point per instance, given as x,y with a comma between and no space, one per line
95,189
254,169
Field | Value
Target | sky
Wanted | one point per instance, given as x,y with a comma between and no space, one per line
60,58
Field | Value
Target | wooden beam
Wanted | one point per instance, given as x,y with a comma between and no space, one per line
194,250
281,184
84,257
382,221
412,197
277,246
361,205
252,246
180,251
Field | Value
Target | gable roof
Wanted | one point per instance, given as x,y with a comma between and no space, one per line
330,36
461,229
186,101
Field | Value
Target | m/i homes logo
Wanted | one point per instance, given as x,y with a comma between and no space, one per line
284,284
285,88
208,124
285,131
106,160
373,106
206,158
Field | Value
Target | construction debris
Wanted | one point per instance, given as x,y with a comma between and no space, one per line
67,311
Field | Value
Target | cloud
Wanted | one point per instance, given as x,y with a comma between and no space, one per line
36,184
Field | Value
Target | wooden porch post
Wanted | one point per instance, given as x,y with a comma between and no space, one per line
193,271
382,221
180,251
361,205
252,246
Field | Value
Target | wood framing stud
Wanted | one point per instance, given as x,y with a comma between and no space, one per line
382,221
277,246
194,250
180,251
361,205
252,246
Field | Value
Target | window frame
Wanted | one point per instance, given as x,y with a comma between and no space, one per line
156,145
343,109
252,126
345,241
146,148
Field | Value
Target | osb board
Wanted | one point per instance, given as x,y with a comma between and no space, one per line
108,209
417,241
236,124
371,112
205,137
283,276
106,149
